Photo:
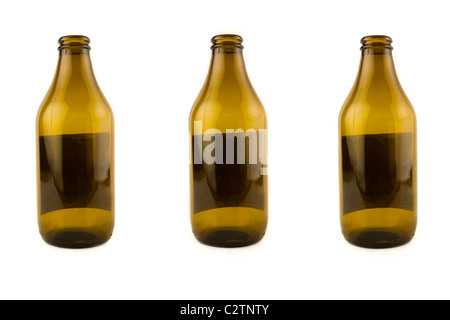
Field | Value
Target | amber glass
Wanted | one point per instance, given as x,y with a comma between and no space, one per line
228,171
75,154
377,137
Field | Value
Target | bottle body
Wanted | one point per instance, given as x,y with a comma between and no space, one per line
378,154
75,154
228,171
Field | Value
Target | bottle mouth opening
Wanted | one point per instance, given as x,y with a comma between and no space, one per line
377,41
74,42
227,40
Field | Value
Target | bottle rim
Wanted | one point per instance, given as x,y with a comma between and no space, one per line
376,41
74,41
230,40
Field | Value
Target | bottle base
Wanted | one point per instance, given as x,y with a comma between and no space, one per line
228,238
375,239
75,239
379,228
76,227
229,227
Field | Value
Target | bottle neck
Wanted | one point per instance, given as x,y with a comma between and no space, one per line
74,71
227,69
376,67
74,68
227,66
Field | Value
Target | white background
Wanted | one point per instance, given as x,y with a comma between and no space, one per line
150,59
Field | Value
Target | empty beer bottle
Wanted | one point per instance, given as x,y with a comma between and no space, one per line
228,172
377,131
75,153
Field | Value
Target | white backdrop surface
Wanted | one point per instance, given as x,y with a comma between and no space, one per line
150,59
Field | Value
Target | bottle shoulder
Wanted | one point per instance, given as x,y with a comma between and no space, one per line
57,116
388,109
95,109
360,117
222,115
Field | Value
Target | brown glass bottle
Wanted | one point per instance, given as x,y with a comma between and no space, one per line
377,137
75,153
228,171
